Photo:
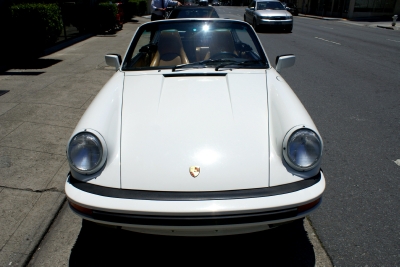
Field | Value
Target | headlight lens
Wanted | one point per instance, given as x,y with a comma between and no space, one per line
85,153
304,149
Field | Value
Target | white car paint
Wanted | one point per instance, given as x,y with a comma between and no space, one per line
199,121
157,123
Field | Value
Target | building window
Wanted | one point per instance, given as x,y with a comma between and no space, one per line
374,6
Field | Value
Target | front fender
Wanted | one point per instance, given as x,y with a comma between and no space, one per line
286,112
104,116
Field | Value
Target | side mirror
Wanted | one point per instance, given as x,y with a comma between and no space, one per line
284,61
114,60
251,8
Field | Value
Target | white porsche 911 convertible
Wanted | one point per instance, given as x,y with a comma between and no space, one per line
195,135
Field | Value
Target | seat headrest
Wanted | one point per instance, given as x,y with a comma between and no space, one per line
169,42
222,40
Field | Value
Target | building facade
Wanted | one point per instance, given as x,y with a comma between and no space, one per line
350,9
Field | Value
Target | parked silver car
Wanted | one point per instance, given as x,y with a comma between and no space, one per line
268,13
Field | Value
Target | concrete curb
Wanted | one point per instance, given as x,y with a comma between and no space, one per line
382,25
43,103
319,17
386,27
29,232
321,257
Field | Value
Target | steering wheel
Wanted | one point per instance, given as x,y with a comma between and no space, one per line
222,55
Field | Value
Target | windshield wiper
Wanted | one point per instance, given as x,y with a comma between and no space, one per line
240,63
204,62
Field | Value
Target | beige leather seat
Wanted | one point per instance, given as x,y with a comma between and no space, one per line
170,50
221,42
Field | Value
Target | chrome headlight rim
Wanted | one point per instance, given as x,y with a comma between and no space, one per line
104,153
285,150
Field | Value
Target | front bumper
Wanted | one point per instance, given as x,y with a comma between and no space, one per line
197,213
275,23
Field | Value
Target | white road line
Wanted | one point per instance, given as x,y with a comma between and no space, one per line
397,162
394,41
327,41
326,27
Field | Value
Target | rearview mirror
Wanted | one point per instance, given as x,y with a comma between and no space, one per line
284,61
148,48
243,47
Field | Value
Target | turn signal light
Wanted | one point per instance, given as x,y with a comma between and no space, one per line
81,209
308,206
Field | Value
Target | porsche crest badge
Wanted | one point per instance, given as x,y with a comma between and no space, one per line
194,171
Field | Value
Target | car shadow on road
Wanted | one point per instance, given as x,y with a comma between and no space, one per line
26,63
273,31
287,245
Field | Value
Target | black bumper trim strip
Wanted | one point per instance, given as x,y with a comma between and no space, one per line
194,196
190,220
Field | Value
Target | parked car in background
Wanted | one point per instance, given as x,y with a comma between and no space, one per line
215,3
190,3
203,3
120,17
196,134
292,8
193,12
268,14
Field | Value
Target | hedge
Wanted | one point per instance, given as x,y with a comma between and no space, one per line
131,8
142,8
34,27
135,7
106,16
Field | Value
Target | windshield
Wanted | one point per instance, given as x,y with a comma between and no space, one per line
270,5
197,12
194,44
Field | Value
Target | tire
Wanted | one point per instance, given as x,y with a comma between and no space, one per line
289,29
255,27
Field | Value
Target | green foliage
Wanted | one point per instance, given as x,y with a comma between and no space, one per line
130,9
107,9
106,16
34,26
142,7
80,15
135,7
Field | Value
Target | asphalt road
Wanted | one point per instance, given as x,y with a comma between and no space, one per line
347,75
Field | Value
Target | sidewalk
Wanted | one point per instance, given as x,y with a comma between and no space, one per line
372,24
40,104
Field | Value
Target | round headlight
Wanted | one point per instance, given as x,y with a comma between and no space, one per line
303,149
86,153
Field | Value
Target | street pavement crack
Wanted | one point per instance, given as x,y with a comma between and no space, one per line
52,189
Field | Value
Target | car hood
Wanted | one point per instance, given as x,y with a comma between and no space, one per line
218,123
270,12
